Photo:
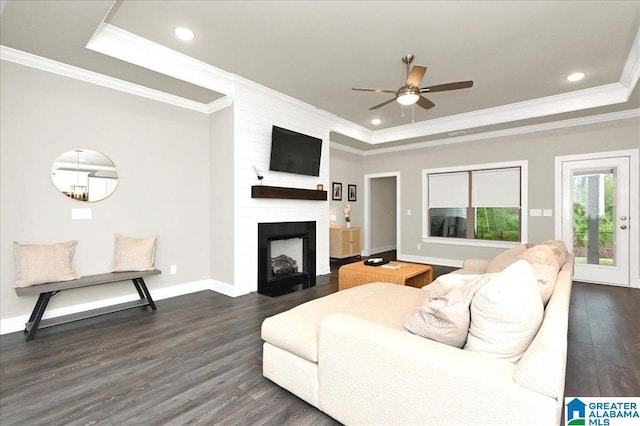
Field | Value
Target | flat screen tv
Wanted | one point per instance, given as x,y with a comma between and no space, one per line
293,152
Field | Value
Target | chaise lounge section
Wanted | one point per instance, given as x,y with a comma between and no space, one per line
350,355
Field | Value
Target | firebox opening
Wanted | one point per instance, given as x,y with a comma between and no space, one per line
286,257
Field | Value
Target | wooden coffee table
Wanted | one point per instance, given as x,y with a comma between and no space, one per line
411,274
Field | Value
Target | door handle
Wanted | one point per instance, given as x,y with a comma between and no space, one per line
623,227
623,218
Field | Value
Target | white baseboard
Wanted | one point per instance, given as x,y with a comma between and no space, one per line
455,263
11,325
227,289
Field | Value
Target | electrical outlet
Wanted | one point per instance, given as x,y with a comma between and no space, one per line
419,246
173,270
408,212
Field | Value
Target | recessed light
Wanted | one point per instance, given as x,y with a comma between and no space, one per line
576,76
376,121
184,33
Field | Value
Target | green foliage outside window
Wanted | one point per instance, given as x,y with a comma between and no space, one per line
606,221
498,224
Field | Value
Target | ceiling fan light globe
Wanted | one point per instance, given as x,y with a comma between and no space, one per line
408,98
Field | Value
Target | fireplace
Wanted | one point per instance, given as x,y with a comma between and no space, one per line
286,257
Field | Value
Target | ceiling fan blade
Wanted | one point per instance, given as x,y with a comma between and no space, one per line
425,103
415,76
366,89
382,104
447,86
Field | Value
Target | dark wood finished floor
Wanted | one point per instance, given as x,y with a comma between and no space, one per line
197,360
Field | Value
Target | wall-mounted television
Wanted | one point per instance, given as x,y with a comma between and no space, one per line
293,152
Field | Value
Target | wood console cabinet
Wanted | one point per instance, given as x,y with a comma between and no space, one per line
344,242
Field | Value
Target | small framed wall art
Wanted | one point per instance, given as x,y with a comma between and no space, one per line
351,193
336,192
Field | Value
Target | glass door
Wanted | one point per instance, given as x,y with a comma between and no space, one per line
595,222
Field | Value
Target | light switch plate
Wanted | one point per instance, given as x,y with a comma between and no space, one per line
535,212
547,212
81,214
408,212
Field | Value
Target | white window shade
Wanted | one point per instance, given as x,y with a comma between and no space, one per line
449,190
496,188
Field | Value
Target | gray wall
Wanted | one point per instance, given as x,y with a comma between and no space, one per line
346,168
162,154
540,149
382,214
222,195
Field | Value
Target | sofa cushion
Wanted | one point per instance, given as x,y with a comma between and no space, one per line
506,258
296,330
44,263
444,316
506,313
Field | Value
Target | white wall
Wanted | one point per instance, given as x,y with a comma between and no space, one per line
161,153
222,199
256,111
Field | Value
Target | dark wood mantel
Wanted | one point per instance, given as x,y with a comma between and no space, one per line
261,191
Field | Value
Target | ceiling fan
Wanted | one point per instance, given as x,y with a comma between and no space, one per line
410,93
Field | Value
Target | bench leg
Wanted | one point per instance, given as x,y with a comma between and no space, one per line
36,315
140,285
138,288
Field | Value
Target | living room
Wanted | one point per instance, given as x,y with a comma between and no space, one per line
185,173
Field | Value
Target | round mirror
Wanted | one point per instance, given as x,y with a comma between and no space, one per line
84,175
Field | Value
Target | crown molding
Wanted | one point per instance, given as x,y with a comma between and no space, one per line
118,43
219,104
582,121
70,71
631,72
121,44
581,99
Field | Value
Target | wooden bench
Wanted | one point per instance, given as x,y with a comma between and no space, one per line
47,290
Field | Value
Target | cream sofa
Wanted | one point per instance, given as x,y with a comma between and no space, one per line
348,355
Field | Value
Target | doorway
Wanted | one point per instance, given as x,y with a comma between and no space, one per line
382,213
597,196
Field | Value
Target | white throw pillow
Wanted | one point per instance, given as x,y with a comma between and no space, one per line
444,316
44,263
133,254
506,313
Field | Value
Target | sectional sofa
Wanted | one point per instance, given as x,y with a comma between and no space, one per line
360,355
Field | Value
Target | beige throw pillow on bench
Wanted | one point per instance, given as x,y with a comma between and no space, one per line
133,254
44,263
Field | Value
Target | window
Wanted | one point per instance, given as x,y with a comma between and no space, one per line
480,203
